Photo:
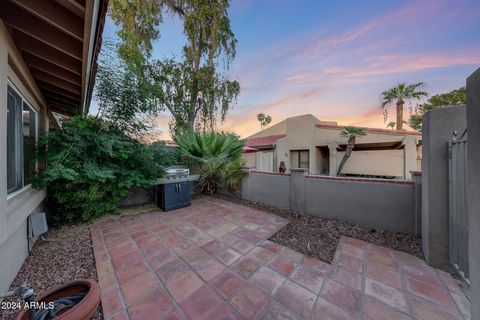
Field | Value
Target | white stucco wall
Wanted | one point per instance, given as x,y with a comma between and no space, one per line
15,208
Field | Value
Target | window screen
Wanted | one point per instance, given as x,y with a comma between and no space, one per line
21,141
304,159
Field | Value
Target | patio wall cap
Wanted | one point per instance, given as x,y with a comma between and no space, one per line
415,173
270,173
371,180
298,170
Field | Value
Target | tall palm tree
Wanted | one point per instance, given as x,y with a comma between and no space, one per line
401,93
351,133
261,119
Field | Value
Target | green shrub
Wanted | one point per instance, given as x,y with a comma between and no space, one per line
217,157
91,165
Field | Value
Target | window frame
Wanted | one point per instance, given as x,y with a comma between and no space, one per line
24,101
307,162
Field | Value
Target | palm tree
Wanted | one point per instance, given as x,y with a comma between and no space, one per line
400,94
351,133
264,120
391,124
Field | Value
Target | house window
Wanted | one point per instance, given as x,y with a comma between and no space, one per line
304,159
21,141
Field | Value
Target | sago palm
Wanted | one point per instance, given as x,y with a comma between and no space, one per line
351,133
399,94
216,157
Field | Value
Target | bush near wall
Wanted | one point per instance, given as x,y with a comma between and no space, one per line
91,165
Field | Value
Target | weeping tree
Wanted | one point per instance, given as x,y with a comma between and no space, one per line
194,88
351,133
400,94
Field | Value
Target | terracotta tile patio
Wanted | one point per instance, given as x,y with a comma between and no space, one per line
212,261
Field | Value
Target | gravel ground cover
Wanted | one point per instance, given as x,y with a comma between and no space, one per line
67,256
318,237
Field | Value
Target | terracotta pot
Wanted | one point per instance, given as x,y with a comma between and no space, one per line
84,310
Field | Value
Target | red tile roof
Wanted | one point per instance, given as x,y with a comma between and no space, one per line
264,141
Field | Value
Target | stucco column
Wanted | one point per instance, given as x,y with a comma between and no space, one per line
332,148
473,194
297,190
3,135
410,158
245,183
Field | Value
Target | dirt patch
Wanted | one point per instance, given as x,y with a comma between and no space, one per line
318,237
67,256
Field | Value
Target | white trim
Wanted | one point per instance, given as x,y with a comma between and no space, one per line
19,191
91,52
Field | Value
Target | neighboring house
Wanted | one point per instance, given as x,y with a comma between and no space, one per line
306,142
48,52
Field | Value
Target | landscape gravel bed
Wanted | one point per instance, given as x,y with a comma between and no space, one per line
318,237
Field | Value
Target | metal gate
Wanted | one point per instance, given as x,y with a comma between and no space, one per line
458,215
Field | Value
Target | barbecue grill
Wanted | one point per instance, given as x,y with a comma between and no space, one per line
174,190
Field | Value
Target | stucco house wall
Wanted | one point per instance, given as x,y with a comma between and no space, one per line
15,207
306,132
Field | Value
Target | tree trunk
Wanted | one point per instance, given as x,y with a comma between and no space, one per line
400,115
348,153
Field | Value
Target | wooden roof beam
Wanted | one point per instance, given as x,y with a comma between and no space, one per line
73,6
45,52
60,97
55,15
57,82
48,67
22,21
45,86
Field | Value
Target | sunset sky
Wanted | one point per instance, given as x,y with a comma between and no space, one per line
333,58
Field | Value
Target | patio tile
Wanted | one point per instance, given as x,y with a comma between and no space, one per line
171,270
250,302
243,246
209,269
139,287
381,259
296,298
291,254
226,313
451,283
345,297
123,248
127,260
229,239
227,256
183,285
353,251
380,250
194,257
175,314
245,267
276,311
425,274
375,310
385,275
161,259
154,306
433,293
227,283
111,303
126,274
201,304
267,280
316,264
309,278
260,254
282,265
348,277
387,294
213,246
350,262
272,246
326,311
426,310
354,242
154,249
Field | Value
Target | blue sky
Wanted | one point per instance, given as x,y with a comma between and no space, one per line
333,58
